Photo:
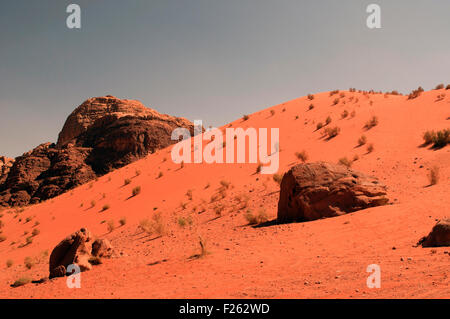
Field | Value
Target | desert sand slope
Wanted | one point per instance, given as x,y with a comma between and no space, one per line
320,259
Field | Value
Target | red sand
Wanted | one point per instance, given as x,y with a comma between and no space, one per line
321,259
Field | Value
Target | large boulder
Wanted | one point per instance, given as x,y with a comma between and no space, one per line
317,190
74,249
439,235
100,135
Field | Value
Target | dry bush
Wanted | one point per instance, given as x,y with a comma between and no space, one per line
303,156
344,114
35,232
334,92
433,175
336,101
189,194
272,112
371,123
161,174
328,120
154,226
138,172
310,97
277,178
439,86
245,117
136,191
447,87
122,221
332,132
111,225
9,263
415,93
2,238
21,282
362,140
256,219
29,262
345,161
370,148
225,184
126,181
319,126
310,107
438,139
105,207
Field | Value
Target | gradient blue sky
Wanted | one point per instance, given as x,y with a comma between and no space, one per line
206,59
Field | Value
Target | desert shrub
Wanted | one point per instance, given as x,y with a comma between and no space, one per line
272,112
362,140
447,87
439,86
225,184
256,219
35,232
277,178
127,181
136,191
9,263
155,225
428,137
415,93
219,209
29,240
105,207
345,161
2,238
344,114
332,132
138,172
310,97
28,262
310,107
21,282
370,148
319,126
303,156
122,221
371,123
334,92
297,117
433,175
189,194
111,225
245,117
442,138
182,222
93,203
328,120
355,158
336,101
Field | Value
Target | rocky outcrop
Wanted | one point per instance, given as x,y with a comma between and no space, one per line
5,166
77,249
318,190
74,249
110,107
102,134
439,235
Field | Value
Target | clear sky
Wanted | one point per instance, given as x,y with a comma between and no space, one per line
206,59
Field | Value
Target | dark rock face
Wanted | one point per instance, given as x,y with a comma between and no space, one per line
318,190
5,167
439,235
102,134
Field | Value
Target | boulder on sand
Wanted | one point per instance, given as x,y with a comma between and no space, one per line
317,190
439,235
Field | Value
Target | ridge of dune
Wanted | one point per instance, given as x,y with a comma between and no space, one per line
320,259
